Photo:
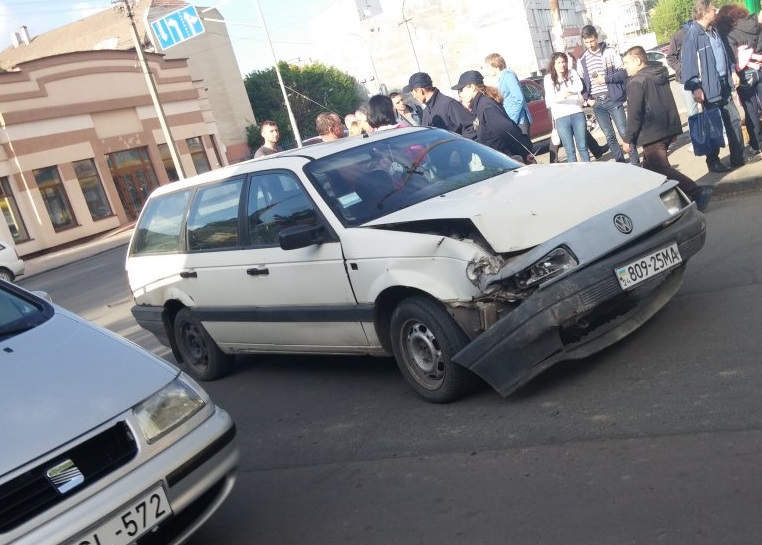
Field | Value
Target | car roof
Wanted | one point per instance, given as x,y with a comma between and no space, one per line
281,159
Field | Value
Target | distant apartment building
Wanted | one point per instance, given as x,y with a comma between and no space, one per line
81,142
446,38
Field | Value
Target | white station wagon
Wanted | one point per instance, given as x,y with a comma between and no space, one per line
415,243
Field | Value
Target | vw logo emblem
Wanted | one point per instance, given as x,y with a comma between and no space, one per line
623,224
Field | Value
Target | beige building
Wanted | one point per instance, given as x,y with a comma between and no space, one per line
81,143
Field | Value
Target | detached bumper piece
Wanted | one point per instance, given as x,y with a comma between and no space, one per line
580,314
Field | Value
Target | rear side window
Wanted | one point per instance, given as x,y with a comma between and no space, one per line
213,217
159,228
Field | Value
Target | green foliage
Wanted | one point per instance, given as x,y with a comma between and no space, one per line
670,15
312,89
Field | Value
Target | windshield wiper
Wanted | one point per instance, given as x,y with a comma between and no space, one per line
16,329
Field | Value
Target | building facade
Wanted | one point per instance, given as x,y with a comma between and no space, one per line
81,140
81,145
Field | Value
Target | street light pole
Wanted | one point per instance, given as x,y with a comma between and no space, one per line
280,80
410,36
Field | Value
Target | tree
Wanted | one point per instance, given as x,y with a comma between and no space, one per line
670,15
312,89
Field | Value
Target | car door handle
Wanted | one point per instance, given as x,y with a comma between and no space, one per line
258,271
188,274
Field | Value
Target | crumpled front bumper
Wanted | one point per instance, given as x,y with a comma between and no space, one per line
580,314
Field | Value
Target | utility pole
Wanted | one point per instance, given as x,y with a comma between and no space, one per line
153,91
557,31
405,21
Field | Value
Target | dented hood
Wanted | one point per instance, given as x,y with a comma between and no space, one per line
521,209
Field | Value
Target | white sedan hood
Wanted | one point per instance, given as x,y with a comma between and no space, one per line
521,209
64,378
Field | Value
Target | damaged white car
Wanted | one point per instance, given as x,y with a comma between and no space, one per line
415,243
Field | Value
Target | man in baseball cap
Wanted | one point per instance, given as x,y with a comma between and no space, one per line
418,80
441,111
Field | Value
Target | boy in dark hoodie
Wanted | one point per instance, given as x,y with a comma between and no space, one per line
653,120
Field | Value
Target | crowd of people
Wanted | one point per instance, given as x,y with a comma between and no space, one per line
716,56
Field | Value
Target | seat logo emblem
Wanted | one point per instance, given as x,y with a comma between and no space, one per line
65,476
623,224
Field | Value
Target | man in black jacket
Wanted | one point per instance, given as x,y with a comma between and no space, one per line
653,121
441,111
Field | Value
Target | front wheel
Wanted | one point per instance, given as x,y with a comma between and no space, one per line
201,356
424,340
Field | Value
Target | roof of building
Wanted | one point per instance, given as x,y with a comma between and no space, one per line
108,29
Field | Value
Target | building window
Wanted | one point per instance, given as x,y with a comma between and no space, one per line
216,148
11,212
198,154
54,196
169,164
92,189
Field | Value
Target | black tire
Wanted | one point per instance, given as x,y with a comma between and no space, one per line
424,340
202,358
6,275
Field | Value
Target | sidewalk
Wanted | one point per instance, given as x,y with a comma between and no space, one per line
107,241
747,179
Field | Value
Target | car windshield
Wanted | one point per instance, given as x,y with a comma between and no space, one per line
381,177
19,313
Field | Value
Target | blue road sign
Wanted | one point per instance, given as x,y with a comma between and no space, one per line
177,27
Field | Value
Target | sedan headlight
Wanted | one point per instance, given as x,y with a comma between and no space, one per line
167,409
554,263
672,201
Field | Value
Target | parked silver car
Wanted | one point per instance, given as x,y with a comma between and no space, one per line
102,442
10,264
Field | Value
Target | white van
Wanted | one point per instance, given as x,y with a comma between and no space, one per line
415,243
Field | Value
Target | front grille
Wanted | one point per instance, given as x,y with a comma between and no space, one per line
32,493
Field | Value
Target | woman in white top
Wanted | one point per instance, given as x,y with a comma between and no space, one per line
563,88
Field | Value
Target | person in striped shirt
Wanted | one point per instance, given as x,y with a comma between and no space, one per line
604,79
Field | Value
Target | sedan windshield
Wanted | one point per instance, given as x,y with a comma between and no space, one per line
19,313
383,176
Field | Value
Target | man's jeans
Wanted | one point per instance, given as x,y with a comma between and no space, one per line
606,112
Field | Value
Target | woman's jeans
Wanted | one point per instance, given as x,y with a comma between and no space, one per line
571,129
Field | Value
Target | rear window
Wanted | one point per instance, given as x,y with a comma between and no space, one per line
158,230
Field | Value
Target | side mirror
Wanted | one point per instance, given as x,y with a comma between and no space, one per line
301,236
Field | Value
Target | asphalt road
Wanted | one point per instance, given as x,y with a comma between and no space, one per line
656,440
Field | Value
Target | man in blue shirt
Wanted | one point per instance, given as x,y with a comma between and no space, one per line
514,103
709,73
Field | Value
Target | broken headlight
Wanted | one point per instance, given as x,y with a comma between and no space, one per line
554,263
672,201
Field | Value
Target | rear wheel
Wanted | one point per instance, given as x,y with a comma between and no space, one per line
201,356
6,275
424,340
